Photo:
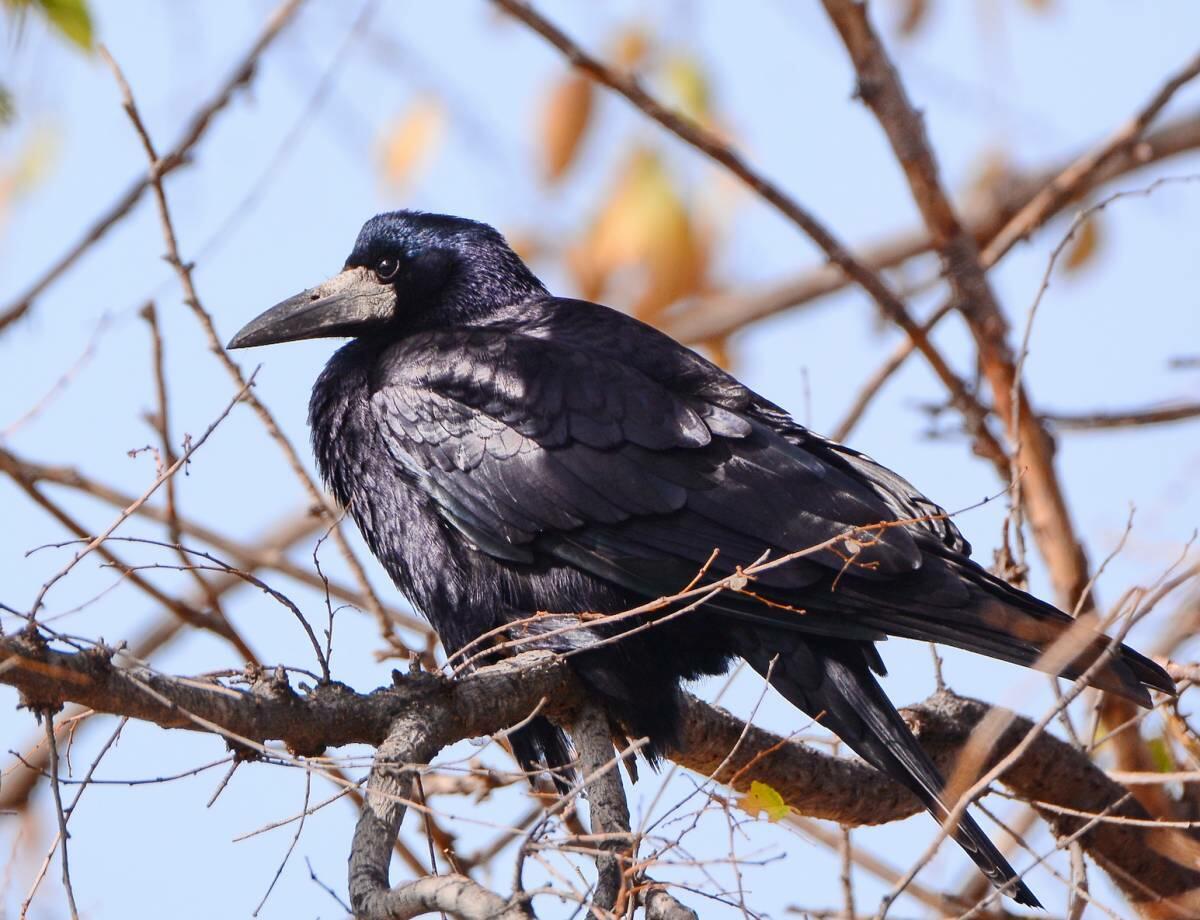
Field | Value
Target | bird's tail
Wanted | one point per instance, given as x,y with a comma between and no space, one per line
541,746
832,682
995,619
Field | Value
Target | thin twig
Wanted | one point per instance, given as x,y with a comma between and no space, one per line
55,788
184,272
716,149
291,846
241,76
144,497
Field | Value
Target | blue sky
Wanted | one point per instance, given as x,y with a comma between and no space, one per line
993,78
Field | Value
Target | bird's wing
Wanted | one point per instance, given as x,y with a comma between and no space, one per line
533,448
610,334
525,443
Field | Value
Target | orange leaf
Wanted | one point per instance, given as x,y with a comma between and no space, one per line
631,47
1084,247
564,121
411,139
912,15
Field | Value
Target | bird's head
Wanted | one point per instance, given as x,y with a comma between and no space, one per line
408,271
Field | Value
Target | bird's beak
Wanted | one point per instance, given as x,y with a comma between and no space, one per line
345,305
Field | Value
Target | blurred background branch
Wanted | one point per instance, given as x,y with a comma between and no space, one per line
990,127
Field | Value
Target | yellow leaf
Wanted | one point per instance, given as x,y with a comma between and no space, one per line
764,800
631,47
689,87
72,18
1084,247
411,139
644,231
564,120
32,164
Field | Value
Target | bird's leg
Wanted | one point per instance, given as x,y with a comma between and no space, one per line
607,807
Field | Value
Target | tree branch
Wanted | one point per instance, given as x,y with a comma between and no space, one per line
608,810
257,553
454,895
176,157
880,88
183,271
716,149
720,315
430,712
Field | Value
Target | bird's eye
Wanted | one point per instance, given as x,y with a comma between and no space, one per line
386,269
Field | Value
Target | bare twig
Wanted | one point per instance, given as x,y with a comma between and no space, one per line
161,421
143,498
1128,418
261,552
184,271
716,149
241,76
52,744
187,610
717,316
1067,185
291,846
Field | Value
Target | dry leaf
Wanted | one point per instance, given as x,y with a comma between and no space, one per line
631,47
912,16
1084,246
564,119
718,351
991,179
645,229
525,243
411,139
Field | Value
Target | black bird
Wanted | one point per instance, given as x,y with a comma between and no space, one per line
504,452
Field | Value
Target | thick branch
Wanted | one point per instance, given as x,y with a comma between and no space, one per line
608,810
661,905
880,88
498,696
452,895
330,715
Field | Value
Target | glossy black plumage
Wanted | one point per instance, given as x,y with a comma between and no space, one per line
506,452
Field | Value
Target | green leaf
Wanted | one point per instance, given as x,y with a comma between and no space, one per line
689,86
764,800
1160,755
72,18
8,108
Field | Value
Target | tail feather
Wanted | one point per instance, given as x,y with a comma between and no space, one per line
832,682
1008,635
539,746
